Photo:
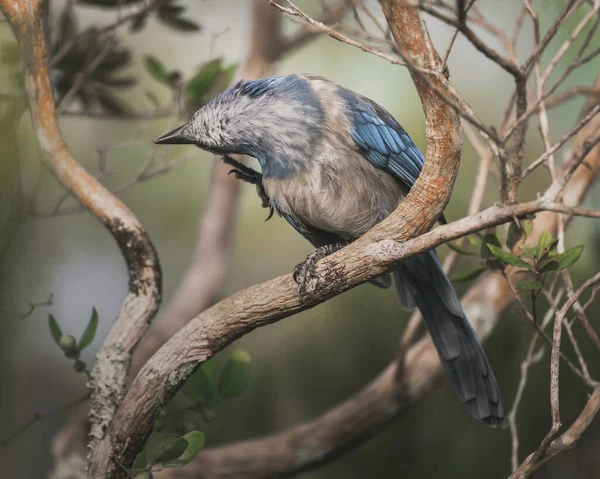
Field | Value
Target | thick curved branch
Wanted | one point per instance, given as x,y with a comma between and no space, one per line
160,377
144,291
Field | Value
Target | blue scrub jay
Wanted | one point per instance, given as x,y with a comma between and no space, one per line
334,164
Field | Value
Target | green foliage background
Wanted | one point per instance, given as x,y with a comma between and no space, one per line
305,364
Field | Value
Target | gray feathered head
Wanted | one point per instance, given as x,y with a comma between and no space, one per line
270,119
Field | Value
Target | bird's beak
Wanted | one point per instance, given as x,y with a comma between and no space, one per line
178,136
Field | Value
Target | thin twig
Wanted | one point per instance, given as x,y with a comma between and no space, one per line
37,417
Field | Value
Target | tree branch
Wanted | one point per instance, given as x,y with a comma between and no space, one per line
109,375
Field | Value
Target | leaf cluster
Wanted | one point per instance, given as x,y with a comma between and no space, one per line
537,261
210,79
67,342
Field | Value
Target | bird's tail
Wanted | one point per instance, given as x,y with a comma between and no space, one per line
421,282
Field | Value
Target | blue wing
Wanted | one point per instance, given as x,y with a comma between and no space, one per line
381,139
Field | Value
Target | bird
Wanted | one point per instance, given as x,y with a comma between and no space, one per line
334,164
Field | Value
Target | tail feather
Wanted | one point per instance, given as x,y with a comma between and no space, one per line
423,280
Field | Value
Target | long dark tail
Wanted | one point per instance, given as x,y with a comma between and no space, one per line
421,282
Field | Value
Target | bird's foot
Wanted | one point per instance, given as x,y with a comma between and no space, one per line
304,273
247,174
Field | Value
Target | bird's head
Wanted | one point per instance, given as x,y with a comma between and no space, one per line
272,119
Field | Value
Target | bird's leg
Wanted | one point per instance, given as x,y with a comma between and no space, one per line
247,174
304,273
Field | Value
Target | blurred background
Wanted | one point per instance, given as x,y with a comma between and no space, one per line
305,364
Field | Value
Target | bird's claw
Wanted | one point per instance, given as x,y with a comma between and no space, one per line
305,273
247,174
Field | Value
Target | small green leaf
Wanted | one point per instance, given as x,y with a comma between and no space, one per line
152,98
569,257
461,250
489,238
201,386
235,377
110,103
227,74
180,24
515,232
164,448
474,240
140,463
144,475
527,227
195,440
507,257
138,22
543,245
203,80
156,68
55,330
90,331
528,251
69,346
468,275
529,285
548,266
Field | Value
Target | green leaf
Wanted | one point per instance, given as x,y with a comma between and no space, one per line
152,98
569,257
515,232
550,265
235,377
158,71
171,19
69,346
489,238
201,386
529,285
543,245
468,275
144,475
527,227
110,104
90,331
474,240
138,22
461,250
203,80
507,257
227,74
528,251
55,330
195,440
164,448
140,463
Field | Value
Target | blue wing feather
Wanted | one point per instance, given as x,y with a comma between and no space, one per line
381,139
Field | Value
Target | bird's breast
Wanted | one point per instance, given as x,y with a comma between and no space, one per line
346,199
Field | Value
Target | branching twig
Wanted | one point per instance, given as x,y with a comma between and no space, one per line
37,417
32,307
144,291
